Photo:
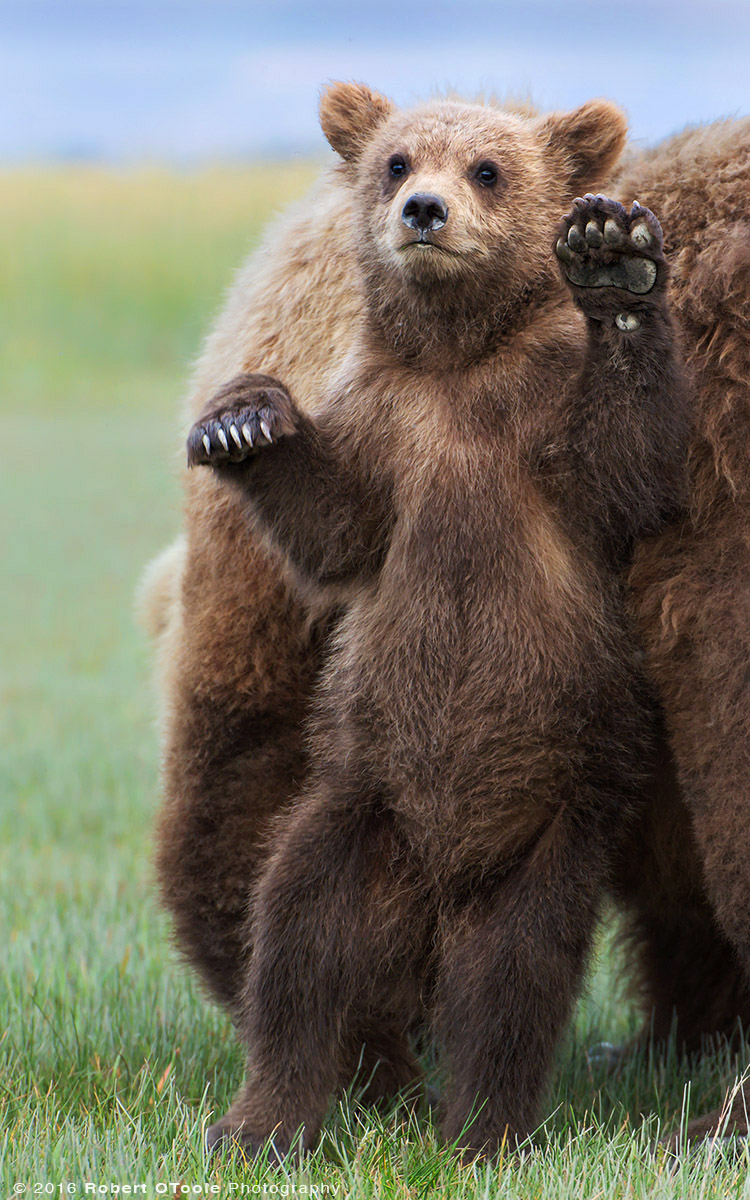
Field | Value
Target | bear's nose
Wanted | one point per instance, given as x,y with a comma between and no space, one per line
423,211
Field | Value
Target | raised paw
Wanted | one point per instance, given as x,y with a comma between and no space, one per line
602,245
250,412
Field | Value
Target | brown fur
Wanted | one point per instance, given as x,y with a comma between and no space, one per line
238,655
292,313
480,729
693,605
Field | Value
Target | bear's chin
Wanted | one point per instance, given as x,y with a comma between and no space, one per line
423,261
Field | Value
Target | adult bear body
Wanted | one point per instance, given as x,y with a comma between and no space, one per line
239,651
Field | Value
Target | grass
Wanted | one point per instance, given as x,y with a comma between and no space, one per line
111,1061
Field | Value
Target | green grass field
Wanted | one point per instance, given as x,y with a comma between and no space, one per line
111,1060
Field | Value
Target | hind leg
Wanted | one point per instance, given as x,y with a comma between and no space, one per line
685,970
242,666
512,961
694,609
340,928
211,838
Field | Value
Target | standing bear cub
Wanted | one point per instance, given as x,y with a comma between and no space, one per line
468,494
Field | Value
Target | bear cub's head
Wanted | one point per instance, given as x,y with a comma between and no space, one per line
461,200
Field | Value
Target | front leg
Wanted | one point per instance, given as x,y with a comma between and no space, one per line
331,523
628,424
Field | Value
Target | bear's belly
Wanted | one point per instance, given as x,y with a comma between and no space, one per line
478,701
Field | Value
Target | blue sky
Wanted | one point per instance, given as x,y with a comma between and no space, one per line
187,80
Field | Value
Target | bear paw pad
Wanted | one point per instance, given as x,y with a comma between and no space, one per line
602,245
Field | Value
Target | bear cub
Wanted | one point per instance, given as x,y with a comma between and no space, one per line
503,430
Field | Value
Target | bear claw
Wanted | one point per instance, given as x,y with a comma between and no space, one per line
214,1137
226,1133
249,413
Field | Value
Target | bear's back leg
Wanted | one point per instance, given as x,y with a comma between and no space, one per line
243,662
697,632
341,941
684,971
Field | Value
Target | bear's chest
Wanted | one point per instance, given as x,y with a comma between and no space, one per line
472,524
476,527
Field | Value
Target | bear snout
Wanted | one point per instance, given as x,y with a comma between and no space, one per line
423,211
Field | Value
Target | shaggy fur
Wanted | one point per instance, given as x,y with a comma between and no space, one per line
692,603
239,651
471,488
237,647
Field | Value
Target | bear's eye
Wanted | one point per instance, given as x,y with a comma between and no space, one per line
486,174
397,167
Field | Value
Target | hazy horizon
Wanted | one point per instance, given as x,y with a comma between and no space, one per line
184,81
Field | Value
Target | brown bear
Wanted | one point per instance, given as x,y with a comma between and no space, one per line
233,705
496,441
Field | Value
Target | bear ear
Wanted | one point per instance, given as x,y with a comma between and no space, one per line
349,115
586,142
